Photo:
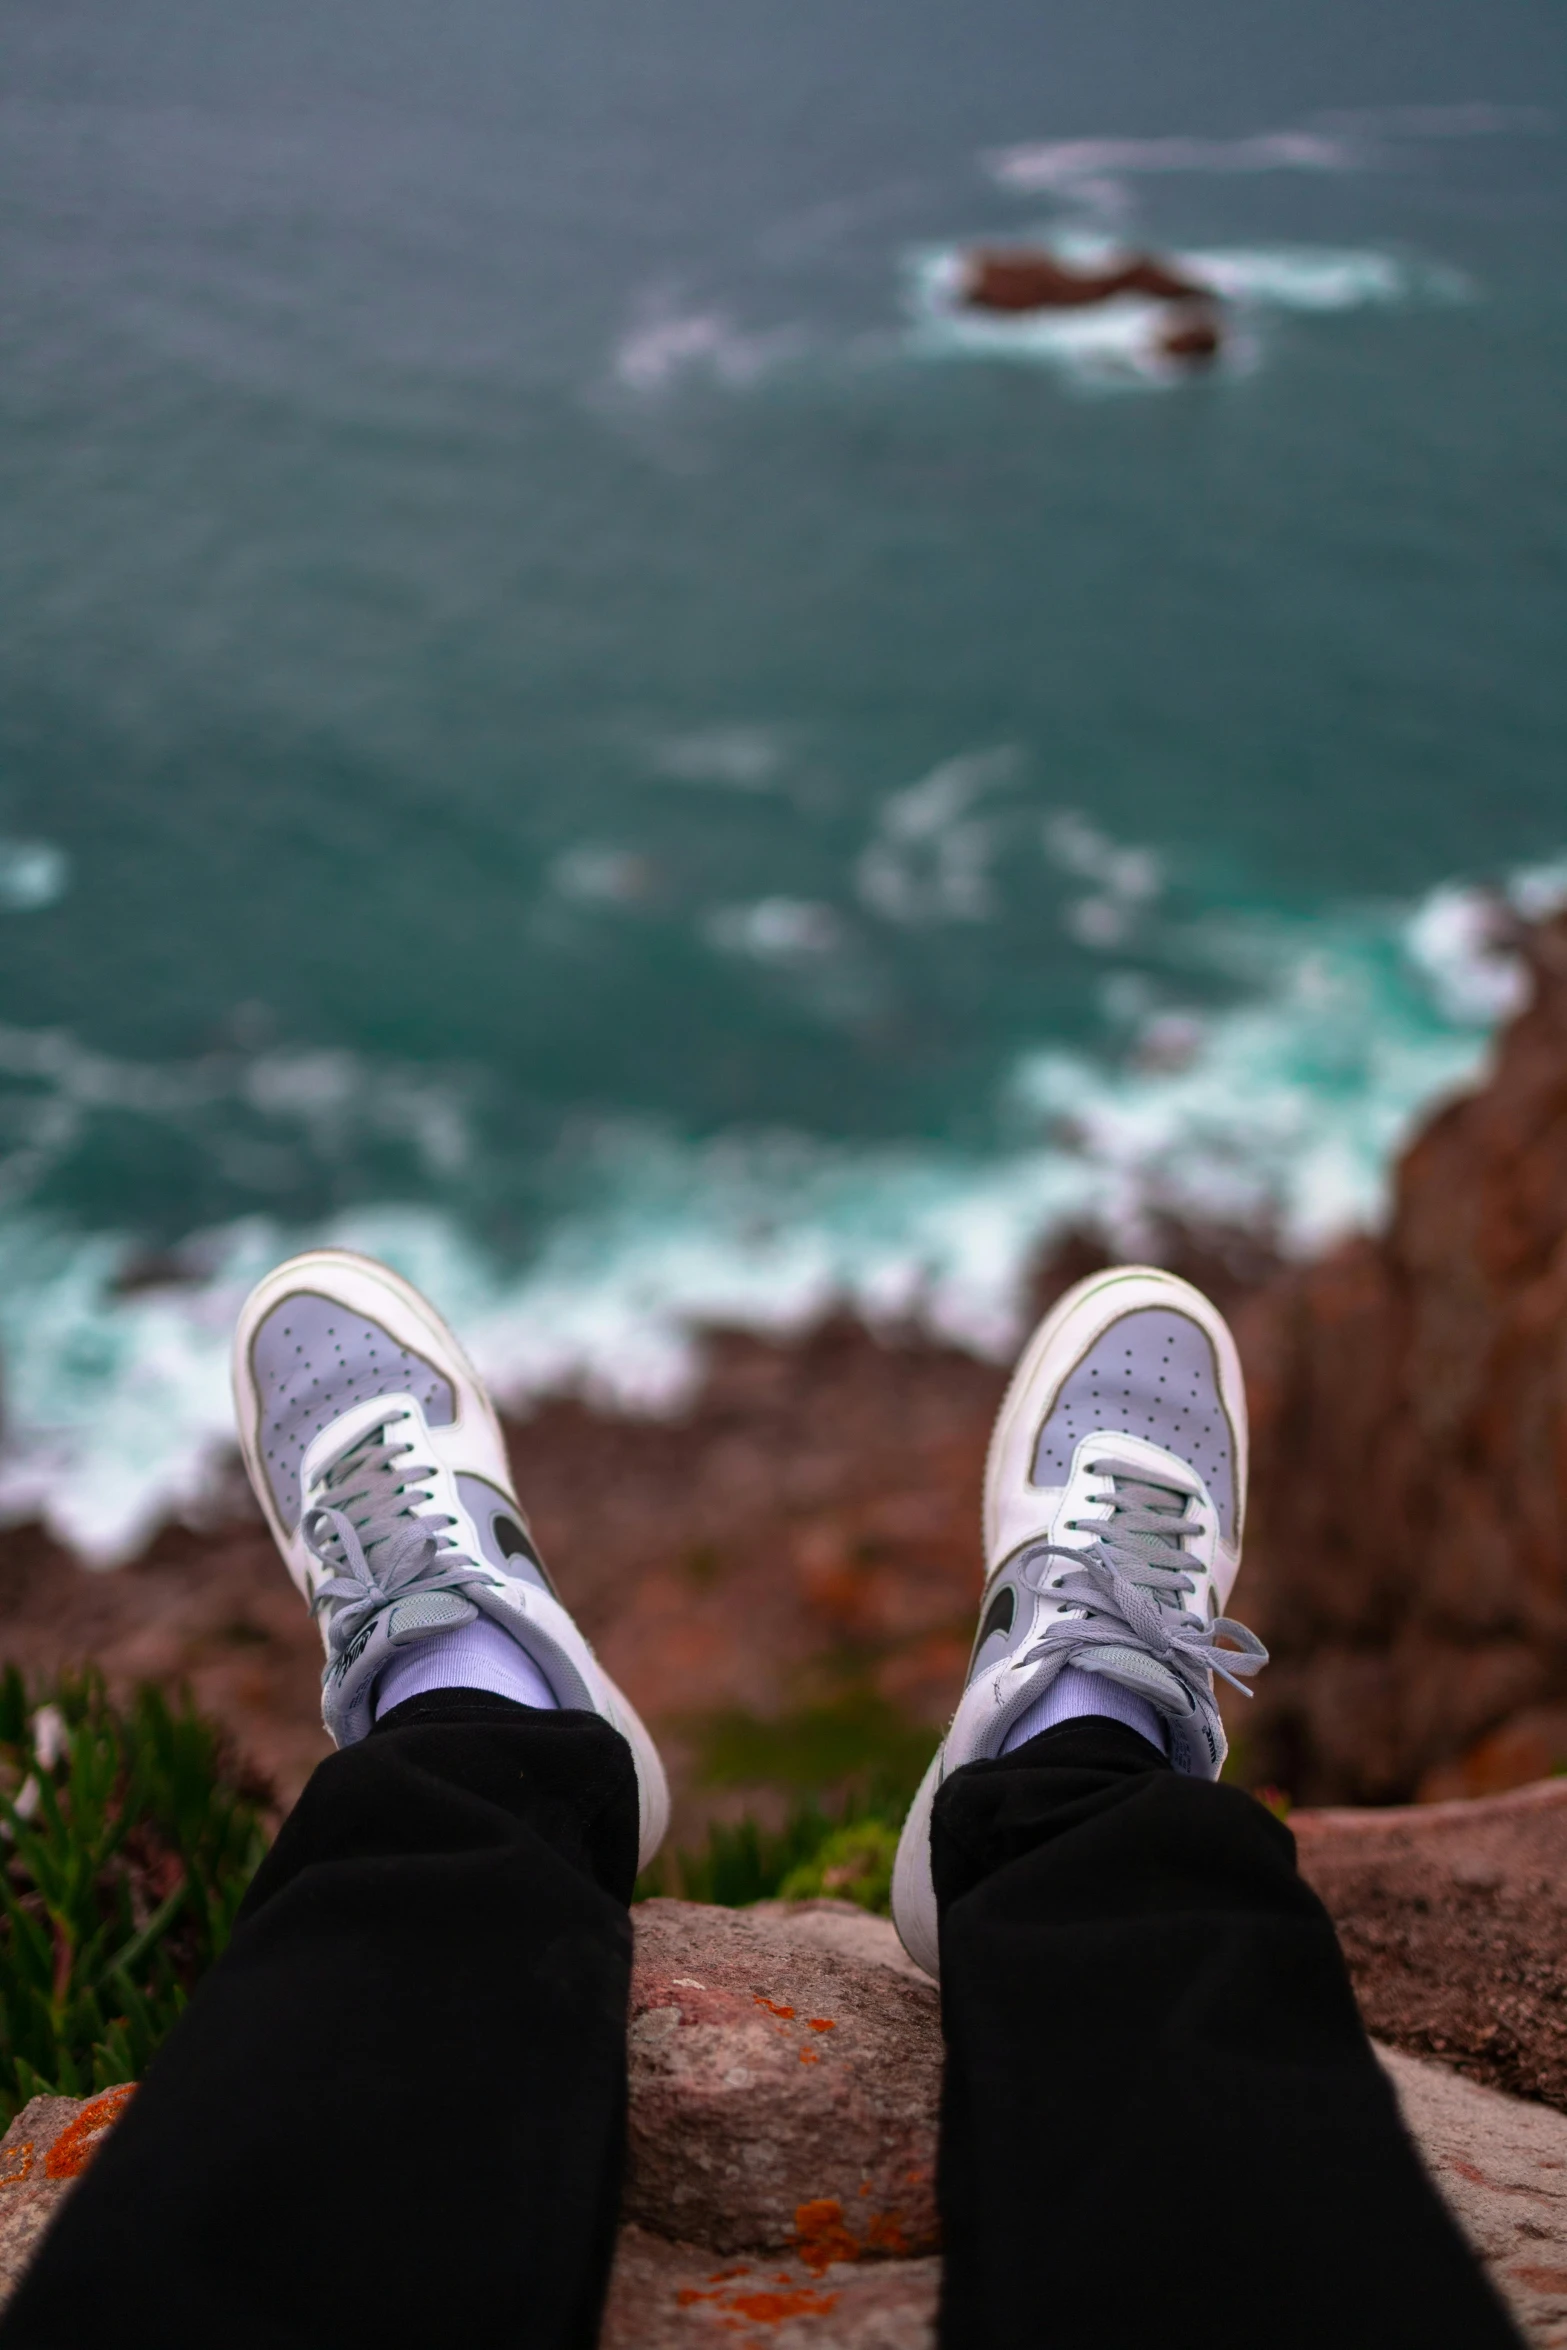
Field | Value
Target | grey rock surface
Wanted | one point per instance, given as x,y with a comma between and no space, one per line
780,2186
42,2154
667,2296
1501,2164
783,2063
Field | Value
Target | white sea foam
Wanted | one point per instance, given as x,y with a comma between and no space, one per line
1066,166
928,859
734,758
1099,173
279,1105
1281,1112
1125,881
667,340
775,930
33,874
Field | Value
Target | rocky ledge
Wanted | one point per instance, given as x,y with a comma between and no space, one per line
785,2070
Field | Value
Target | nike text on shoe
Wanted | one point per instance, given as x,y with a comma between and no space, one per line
379,1463
1114,1498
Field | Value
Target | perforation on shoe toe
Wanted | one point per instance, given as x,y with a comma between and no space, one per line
313,1360
1152,1374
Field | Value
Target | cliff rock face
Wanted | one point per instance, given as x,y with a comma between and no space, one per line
1407,1557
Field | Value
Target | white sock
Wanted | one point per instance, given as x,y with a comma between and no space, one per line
1074,1693
471,1656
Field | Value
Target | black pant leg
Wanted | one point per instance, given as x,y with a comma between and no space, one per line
1163,2122
394,2114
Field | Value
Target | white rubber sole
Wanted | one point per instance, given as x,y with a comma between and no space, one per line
913,1890
364,1285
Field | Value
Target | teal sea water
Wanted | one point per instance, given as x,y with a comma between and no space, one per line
565,717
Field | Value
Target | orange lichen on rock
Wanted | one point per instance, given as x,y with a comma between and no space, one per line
762,2307
19,2164
773,2007
821,2023
885,2234
821,2235
770,2309
77,2143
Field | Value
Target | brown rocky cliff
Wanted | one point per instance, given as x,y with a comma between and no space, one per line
1407,1556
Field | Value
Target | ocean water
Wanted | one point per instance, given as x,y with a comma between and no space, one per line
566,717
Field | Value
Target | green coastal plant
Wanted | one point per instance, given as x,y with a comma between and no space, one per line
847,1766
853,1864
843,1850
853,1738
127,1838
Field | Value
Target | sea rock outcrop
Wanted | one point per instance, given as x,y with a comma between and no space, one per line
1407,1555
1020,280
785,2067
1026,277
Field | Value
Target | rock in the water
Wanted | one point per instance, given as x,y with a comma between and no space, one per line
780,2183
1023,278
1192,334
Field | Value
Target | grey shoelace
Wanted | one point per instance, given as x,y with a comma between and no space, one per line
366,1535
1133,1577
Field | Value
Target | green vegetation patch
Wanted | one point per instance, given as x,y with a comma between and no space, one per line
844,1851
852,1864
127,1839
848,1767
856,1738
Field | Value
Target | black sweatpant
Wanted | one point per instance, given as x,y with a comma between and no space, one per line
394,2114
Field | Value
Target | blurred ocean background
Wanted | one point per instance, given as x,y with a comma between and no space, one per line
566,721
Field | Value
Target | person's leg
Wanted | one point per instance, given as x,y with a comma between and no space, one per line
1163,2122
393,2115
1162,2119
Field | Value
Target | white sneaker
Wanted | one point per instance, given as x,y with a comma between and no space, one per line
1114,1497
377,1457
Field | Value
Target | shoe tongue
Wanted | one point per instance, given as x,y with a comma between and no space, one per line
1161,1549
1135,1669
427,1611
1145,1493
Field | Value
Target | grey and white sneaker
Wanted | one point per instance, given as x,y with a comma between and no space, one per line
378,1460
1114,1498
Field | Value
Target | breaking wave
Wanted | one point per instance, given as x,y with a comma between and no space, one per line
1280,1113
